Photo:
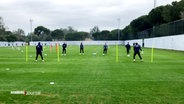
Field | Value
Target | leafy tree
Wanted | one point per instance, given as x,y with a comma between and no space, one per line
48,38
127,33
140,24
19,32
155,16
11,38
167,13
114,35
41,30
76,36
2,38
94,32
2,24
96,36
104,35
57,34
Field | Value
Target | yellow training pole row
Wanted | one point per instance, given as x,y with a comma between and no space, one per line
26,52
152,54
117,56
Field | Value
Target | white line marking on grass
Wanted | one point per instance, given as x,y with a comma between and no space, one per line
17,92
7,69
51,83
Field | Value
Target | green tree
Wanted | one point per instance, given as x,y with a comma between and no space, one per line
114,35
94,33
104,35
57,34
19,32
41,30
77,36
2,29
156,16
11,38
167,13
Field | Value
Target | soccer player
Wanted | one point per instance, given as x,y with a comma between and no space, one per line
137,49
39,50
128,47
64,49
81,49
105,48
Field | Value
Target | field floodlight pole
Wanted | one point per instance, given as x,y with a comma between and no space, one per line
31,28
152,50
155,3
118,28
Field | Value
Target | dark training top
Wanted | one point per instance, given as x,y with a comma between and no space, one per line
137,47
64,46
39,48
105,47
81,46
128,46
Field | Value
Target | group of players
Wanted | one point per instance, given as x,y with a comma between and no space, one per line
137,49
136,46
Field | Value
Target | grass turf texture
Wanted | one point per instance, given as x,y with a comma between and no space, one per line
92,79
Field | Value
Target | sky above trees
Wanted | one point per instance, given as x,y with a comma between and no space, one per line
82,15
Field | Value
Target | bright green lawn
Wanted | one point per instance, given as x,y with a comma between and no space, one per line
92,79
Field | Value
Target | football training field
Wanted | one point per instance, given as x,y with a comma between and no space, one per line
89,78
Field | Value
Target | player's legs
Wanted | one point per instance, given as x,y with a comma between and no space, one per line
80,50
105,51
135,53
41,56
139,55
64,51
36,56
127,51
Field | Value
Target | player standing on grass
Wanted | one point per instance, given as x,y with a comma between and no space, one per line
128,47
64,49
137,49
81,49
105,48
39,50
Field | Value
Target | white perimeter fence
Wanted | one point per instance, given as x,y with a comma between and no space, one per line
48,43
45,43
169,42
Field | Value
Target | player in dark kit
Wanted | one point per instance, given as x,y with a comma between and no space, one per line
137,49
105,48
39,50
81,49
128,47
64,49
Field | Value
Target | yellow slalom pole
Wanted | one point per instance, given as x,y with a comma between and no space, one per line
117,53
152,54
26,52
58,52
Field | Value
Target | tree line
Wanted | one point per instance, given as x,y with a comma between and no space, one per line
157,16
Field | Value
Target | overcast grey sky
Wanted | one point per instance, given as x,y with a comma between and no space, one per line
82,15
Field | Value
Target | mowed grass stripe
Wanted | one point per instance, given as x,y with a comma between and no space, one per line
92,78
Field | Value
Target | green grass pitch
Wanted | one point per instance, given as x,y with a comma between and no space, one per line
91,79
